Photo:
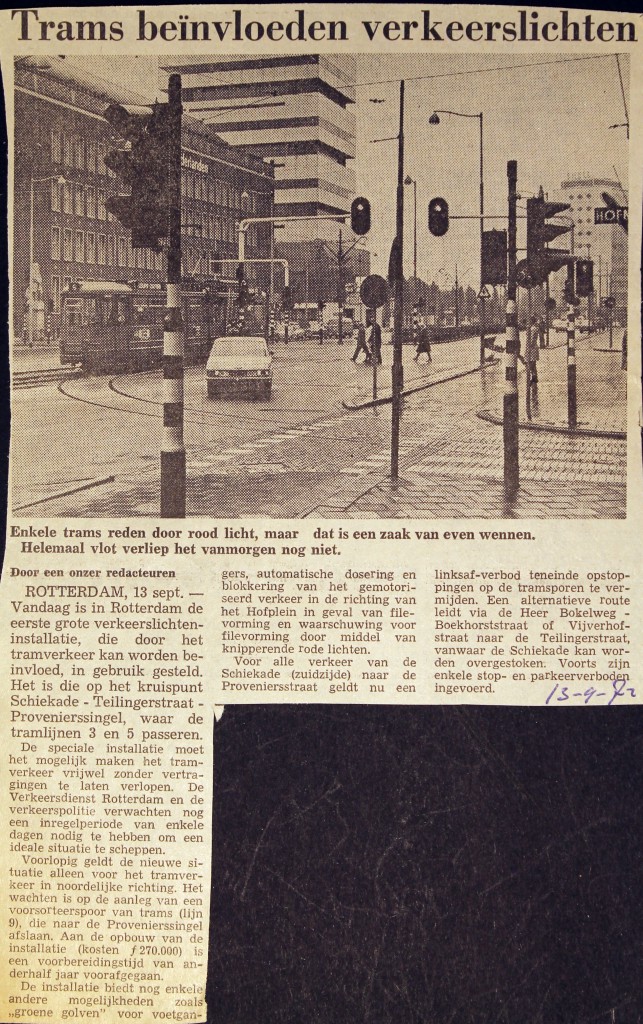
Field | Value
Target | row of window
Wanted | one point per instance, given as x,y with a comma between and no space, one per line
104,250
78,152
89,155
81,200
219,193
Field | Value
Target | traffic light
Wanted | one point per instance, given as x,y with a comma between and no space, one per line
438,216
215,264
320,305
286,297
360,216
494,257
569,290
584,278
544,261
144,167
244,294
240,272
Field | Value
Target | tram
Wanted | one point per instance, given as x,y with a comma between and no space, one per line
117,327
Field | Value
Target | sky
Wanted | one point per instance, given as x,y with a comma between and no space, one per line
551,112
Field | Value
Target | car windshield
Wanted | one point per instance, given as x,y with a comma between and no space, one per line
239,347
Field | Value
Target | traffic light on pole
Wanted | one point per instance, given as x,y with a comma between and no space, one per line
143,165
494,257
544,261
286,297
360,216
438,216
584,278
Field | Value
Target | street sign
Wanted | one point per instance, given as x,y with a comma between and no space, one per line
610,215
609,302
374,291
484,293
525,275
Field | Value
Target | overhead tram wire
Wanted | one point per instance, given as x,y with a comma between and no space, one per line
481,71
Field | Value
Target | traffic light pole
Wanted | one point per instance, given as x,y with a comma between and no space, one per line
173,447
398,309
510,399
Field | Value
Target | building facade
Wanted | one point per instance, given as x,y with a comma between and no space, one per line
297,111
62,231
604,244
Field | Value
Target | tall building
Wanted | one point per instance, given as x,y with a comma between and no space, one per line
297,111
61,185
604,244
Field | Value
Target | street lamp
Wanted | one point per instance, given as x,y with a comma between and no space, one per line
411,181
35,181
434,119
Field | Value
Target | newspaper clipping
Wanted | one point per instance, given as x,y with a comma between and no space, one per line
322,583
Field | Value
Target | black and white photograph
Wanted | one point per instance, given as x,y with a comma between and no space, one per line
323,285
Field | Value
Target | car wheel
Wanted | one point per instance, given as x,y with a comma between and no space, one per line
213,391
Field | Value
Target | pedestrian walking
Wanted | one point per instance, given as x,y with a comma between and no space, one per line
361,345
375,341
542,333
423,345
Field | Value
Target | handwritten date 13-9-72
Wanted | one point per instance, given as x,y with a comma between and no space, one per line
619,689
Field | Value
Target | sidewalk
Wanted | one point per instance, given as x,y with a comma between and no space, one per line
601,389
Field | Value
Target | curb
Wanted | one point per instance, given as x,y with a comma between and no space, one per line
547,428
371,403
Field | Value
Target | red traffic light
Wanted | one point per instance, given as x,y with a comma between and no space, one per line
584,278
438,216
360,216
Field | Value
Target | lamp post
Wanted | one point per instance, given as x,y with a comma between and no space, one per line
35,181
434,119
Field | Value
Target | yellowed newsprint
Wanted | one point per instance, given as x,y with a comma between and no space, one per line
324,338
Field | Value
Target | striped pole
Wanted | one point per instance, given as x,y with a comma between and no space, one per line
571,367
173,449
271,322
286,325
510,421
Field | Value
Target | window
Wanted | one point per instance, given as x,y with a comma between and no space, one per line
91,157
100,160
55,196
91,247
67,198
91,202
80,247
68,151
66,283
55,243
56,146
79,201
102,250
102,212
122,252
111,251
80,154
55,294
67,254
130,253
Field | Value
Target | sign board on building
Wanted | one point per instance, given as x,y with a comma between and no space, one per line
610,215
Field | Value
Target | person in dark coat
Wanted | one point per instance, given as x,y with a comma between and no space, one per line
361,345
376,343
423,345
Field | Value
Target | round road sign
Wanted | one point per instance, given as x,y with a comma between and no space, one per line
374,291
609,302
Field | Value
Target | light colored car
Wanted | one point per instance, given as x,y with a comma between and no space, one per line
295,332
332,327
239,365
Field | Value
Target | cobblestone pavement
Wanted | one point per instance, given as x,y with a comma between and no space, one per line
451,465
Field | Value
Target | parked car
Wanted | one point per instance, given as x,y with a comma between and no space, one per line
239,365
332,327
295,332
